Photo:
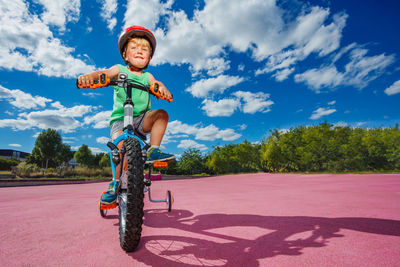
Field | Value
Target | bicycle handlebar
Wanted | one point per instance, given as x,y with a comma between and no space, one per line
104,81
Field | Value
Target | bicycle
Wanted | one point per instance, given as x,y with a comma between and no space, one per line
133,183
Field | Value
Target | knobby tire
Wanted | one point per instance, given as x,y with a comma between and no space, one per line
130,209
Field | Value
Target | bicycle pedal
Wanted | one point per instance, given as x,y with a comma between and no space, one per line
108,206
160,164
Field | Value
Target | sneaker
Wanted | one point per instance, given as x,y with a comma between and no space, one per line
155,154
110,197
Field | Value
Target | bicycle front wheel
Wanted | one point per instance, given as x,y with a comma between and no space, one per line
131,197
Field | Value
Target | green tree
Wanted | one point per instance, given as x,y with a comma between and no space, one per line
105,161
234,158
271,153
64,154
219,160
6,164
324,147
191,162
393,151
247,156
96,160
46,148
171,169
84,156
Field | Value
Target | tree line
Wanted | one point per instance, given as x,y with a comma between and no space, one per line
335,149
50,152
319,148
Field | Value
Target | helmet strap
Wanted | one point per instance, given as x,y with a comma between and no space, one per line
133,68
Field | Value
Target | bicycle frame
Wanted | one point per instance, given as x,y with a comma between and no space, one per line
128,129
127,134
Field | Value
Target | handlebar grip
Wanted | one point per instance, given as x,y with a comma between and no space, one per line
101,82
154,90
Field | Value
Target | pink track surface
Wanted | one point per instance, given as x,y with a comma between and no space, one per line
235,220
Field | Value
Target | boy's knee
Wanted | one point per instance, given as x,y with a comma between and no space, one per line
163,114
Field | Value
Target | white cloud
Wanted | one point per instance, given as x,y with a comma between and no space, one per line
15,145
320,112
217,85
393,89
75,111
242,127
214,66
16,124
187,41
145,13
222,108
281,75
21,99
211,133
320,78
254,102
176,127
289,37
92,94
100,120
59,12
103,140
96,150
247,102
362,69
307,35
60,118
186,144
208,133
65,139
341,124
51,119
359,71
27,44
260,27
108,10
333,102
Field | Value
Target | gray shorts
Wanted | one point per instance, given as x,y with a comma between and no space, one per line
137,124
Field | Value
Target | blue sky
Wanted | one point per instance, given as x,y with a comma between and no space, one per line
237,69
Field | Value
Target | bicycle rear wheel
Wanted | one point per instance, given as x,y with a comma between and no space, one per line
131,197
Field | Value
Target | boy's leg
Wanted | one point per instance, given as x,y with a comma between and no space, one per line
156,122
109,196
119,146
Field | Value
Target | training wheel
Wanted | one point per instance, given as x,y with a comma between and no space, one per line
170,200
103,212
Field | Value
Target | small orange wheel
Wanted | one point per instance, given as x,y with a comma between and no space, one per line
170,200
103,212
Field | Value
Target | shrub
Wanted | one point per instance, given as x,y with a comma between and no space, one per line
6,164
25,169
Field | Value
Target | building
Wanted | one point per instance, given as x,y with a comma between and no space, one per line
13,154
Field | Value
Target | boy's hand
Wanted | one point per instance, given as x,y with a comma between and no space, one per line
164,92
160,91
85,81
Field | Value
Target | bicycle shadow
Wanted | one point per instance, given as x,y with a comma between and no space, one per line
206,244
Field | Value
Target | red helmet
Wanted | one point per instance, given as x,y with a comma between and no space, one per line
137,31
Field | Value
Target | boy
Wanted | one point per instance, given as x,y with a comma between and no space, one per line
136,45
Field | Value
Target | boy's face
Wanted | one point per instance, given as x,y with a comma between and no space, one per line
137,54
